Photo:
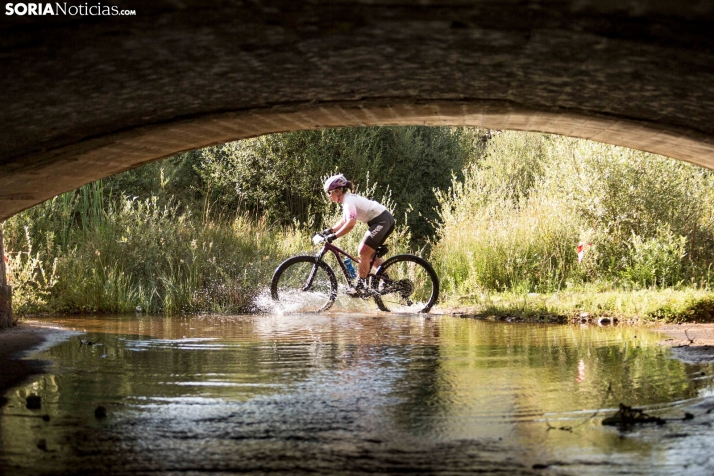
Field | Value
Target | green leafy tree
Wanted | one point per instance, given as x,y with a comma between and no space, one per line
279,176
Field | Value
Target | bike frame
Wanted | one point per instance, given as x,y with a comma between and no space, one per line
338,252
401,286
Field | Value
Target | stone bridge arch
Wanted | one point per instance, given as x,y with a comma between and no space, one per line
86,97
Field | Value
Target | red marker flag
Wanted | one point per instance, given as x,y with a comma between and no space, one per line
581,250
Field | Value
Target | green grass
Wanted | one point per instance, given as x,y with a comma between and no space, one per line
85,254
590,303
504,245
515,221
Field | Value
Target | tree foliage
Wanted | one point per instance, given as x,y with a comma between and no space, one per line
280,176
516,219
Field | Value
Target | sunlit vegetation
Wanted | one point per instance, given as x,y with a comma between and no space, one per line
204,231
500,214
127,254
514,223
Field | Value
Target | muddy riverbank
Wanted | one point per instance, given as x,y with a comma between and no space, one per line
15,342
690,343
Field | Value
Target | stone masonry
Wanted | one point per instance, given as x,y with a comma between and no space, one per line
86,97
5,290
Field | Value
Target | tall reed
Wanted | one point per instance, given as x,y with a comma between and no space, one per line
125,254
516,220
122,254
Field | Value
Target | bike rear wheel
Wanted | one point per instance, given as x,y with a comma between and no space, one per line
304,284
406,283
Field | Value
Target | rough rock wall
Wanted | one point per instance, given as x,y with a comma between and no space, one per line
86,97
5,290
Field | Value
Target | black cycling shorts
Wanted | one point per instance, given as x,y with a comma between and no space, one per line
380,227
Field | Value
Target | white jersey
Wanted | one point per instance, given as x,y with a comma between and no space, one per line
360,208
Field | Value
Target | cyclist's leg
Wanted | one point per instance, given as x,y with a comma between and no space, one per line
379,230
365,256
361,287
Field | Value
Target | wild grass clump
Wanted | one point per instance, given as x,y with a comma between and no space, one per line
515,222
590,303
164,260
509,225
88,251
125,255
505,246
32,278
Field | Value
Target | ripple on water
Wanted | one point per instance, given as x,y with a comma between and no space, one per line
350,393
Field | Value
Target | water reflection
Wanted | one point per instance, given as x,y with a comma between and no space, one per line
328,393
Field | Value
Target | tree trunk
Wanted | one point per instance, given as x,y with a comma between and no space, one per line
5,290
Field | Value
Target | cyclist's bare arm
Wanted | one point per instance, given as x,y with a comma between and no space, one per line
344,227
339,224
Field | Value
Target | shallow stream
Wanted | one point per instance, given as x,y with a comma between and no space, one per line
354,394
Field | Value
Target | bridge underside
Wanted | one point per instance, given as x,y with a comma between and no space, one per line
84,98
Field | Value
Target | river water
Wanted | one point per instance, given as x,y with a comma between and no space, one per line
354,394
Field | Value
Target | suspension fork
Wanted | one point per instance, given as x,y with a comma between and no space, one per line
313,271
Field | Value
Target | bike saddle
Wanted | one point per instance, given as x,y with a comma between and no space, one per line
381,251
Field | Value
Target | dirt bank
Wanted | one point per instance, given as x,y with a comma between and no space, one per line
692,343
14,343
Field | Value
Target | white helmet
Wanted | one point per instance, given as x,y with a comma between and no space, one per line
336,181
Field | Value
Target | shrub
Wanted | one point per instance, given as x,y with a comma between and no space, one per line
655,261
32,283
516,219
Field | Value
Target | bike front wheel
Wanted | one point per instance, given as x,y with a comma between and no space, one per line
406,283
304,284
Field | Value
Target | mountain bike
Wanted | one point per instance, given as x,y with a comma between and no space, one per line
403,283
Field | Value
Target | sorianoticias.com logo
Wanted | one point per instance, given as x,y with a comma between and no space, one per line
58,8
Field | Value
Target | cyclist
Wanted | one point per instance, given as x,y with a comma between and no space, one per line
356,207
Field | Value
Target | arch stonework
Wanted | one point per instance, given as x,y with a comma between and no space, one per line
87,97
75,165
